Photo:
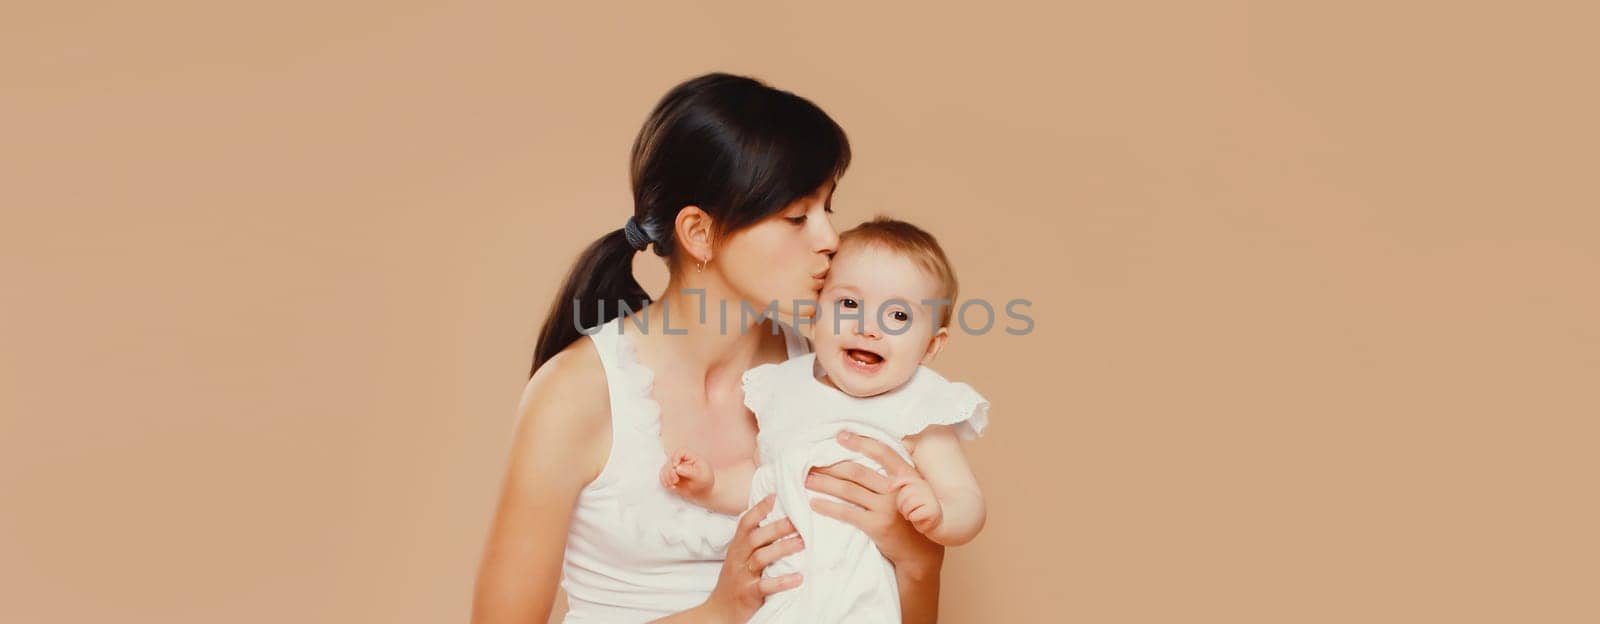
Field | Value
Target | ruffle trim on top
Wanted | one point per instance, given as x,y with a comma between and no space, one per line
655,513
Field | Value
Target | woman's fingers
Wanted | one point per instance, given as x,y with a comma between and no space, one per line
879,452
762,536
861,475
753,516
765,555
777,584
848,514
849,491
741,546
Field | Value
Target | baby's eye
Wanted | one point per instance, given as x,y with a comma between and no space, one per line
900,315
796,220
848,303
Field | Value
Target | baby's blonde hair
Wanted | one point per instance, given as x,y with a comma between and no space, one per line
916,244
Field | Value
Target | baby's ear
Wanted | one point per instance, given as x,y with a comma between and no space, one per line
936,344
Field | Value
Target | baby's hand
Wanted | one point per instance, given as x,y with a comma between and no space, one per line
687,475
915,499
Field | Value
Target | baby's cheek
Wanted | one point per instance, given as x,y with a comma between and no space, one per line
823,334
905,368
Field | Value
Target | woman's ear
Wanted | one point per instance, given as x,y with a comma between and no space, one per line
936,344
693,230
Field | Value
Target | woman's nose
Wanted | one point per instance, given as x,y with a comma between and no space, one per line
828,242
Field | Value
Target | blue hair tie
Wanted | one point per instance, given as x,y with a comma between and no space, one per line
638,239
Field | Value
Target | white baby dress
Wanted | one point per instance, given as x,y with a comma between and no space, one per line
845,578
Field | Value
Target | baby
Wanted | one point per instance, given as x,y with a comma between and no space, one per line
884,311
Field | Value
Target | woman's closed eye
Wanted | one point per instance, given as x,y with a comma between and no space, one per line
801,219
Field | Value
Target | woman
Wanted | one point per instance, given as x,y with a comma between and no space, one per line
732,184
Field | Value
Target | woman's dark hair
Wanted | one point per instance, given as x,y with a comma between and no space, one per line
735,147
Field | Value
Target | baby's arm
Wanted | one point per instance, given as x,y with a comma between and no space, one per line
944,501
724,491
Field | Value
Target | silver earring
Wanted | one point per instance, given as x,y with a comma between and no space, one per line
699,267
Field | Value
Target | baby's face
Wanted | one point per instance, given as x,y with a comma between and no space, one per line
872,328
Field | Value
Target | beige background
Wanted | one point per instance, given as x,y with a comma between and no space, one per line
1315,291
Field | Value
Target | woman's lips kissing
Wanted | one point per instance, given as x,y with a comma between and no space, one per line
818,277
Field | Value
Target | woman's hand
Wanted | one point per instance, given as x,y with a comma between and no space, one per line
874,509
741,589
916,558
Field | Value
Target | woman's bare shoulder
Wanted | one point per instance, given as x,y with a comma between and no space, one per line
565,410
575,376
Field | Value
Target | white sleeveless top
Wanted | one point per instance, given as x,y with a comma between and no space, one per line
635,552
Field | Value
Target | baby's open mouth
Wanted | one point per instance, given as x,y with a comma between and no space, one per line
863,356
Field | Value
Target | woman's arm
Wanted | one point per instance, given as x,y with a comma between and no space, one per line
944,502
562,438
919,590
916,558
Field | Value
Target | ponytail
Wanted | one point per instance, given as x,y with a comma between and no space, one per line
600,283
735,147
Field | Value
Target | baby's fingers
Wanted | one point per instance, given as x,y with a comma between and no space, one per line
925,517
908,504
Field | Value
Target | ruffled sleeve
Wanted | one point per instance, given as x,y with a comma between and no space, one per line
757,384
948,403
